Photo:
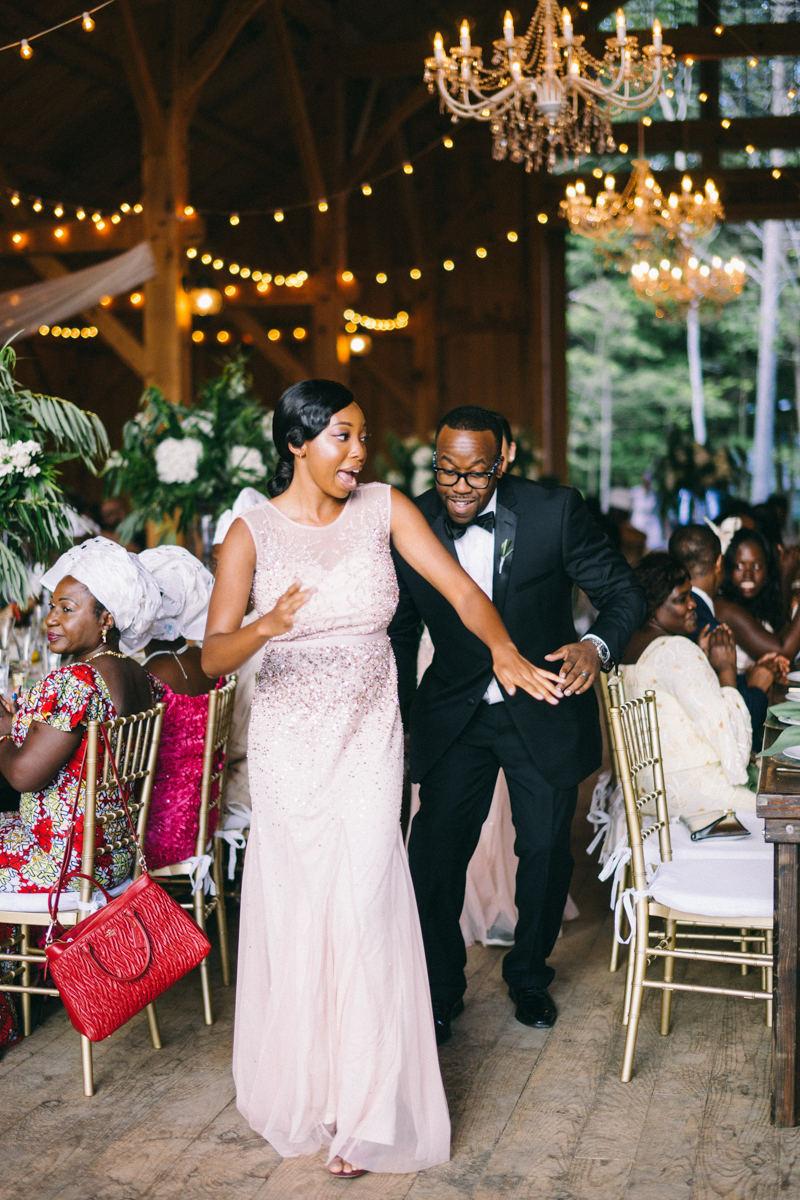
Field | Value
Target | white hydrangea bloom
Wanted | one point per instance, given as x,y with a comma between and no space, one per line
395,478
114,461
422,456
420,482
198,422
266,424
177,459
246,463
17,456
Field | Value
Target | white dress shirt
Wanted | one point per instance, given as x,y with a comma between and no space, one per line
475,550
704,596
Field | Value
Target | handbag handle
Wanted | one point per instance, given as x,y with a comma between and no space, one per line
126,978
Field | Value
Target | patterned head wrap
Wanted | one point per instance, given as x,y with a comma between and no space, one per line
185,587
118,580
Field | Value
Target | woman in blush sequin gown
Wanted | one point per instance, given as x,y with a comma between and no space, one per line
334,1042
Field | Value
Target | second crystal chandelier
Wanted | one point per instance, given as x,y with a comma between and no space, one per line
543,93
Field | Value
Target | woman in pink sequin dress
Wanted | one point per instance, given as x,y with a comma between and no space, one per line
334,1042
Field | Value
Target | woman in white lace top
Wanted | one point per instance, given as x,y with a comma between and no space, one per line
704,724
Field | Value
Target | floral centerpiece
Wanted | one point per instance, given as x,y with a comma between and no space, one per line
187,462
36,434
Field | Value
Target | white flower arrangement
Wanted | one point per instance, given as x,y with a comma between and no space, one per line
17,456
198,422
422,456
246,464
421,481
266,424
177,459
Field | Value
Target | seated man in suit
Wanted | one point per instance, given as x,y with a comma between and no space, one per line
526,546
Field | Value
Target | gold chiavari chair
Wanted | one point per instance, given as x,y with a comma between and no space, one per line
218,731
134,742
717,892
612,691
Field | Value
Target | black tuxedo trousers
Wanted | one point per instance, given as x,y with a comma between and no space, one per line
455,798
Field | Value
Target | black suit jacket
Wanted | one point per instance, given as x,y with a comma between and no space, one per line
554,543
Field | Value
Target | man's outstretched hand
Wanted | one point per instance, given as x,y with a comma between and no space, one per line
581,666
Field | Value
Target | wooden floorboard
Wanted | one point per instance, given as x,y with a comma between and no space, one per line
536,1115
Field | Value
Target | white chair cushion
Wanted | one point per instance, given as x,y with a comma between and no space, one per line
713,848
723,888
36,902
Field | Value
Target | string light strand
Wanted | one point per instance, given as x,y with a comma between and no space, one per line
83,16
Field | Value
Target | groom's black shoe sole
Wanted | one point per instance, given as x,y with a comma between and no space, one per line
443,1014
535,1007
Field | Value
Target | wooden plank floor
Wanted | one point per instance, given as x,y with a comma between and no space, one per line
535,1114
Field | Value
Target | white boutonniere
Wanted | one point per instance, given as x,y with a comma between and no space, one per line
506,550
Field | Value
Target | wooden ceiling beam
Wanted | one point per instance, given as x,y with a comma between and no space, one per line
296,104
292,370
360,165
211,52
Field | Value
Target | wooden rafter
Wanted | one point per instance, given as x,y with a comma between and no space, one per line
382,136
296,104
290,367
210,54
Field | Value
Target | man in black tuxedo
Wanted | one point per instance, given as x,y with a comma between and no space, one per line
525,545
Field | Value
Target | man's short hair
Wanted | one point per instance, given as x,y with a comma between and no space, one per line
695,546
475,419
505,426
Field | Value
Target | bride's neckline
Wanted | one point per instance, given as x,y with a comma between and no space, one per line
303,525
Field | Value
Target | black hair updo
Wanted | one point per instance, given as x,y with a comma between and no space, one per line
302,412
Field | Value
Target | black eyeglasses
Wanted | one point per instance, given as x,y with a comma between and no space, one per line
479,480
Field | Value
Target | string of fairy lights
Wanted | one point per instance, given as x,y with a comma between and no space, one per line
86,18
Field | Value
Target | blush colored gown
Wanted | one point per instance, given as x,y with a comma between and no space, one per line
334,1042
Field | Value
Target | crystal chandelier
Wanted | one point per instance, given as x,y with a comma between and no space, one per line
640,215
544,93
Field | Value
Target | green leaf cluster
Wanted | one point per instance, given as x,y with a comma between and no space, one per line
226,416
33,520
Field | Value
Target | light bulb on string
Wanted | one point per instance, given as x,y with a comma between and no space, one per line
81,214
24,49
15,199
37,206
87,22
366,189
58,211
234,218
278,215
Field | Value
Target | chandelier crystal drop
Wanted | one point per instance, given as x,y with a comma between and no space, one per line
544,94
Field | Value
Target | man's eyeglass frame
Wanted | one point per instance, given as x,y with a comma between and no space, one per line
479,487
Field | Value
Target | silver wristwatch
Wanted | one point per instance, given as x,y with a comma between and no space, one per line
606,661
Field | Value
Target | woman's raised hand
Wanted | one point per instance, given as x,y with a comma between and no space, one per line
280,619
513,671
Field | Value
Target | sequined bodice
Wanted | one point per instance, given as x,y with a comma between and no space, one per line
348,563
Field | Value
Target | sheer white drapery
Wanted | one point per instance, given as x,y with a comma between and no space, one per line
25,309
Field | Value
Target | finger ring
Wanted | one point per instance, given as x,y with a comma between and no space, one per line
586,673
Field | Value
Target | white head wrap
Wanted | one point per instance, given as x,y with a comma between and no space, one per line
186,588
725,530
118,580
248,498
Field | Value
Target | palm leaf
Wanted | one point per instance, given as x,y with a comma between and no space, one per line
68,424
14,583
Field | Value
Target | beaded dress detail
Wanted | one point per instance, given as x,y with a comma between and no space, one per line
334,1042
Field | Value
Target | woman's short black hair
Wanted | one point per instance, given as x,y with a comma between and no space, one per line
301,414
659,573
766,606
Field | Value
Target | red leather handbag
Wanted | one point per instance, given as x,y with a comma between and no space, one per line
115,962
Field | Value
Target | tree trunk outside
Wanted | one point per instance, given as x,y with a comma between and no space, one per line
696,374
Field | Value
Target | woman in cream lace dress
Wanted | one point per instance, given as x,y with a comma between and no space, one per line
702,719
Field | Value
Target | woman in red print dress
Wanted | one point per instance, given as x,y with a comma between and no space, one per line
102,597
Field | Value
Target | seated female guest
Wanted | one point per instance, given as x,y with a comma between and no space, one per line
703,722
185,587
750,601
102,599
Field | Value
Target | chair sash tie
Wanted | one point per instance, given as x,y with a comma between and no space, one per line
627,902
236,841
199,877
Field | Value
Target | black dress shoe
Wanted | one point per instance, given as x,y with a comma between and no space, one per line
443,1014
535,1006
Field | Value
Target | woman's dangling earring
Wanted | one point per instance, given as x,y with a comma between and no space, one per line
105,635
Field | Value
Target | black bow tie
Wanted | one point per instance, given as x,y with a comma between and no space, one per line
485,520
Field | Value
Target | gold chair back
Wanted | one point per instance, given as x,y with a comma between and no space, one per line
612,692
218,731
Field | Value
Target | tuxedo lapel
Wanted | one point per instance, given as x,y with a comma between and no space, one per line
504,535
438,527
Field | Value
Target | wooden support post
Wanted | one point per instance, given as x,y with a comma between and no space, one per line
547,349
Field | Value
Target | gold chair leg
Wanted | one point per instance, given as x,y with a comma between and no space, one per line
626,1008
222,920
24,948
86,1062
744,946
637,989
769,948
614,961
669,974
205,984
152,1021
